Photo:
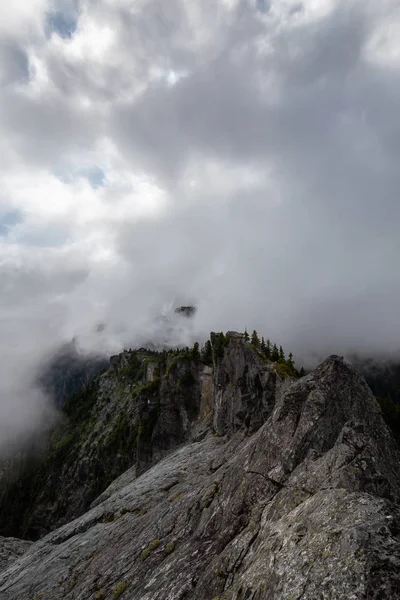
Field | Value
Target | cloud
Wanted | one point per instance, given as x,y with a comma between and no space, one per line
239,155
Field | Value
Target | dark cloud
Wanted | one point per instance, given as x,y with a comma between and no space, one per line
242,156
14,65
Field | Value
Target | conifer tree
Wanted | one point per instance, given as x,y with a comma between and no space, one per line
246,336
268,350
281,354
196,351
263,346
255,340
275,353
219,344
206,354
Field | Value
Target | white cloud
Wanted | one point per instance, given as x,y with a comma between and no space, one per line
242,155
23,18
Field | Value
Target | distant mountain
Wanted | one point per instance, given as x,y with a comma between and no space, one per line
382,377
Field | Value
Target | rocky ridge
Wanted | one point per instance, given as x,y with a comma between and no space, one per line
146,404
248,487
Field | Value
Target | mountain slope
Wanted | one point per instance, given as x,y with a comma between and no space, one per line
280,490
145,405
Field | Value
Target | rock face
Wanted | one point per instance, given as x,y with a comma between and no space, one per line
275,490
145,405
10,549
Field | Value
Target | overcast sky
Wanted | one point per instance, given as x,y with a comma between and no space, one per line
240,155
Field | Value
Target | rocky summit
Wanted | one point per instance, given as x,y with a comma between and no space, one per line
218,477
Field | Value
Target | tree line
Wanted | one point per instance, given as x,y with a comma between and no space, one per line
213,349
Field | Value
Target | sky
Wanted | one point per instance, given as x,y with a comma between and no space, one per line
239,155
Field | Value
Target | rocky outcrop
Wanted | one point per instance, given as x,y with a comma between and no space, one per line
244,387
145,405
304,507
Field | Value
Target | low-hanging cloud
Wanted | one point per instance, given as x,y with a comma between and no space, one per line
239,155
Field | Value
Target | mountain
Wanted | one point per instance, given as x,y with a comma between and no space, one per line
69,370
219,477
382,376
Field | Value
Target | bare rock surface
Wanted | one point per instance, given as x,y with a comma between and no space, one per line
298,501
10,549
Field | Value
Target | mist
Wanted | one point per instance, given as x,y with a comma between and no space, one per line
240,156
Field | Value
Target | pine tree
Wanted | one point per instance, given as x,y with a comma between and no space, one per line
302,372
281,354
219,345
207,353
268,350
255,340
196,351
275,353
246,336
290,364
263,346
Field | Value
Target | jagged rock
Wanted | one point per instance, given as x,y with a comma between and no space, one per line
305,507
245,388
143,407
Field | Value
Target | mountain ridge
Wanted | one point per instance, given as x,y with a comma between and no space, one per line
251,485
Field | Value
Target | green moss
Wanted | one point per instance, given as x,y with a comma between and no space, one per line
147,388
172,366
119,589
120,432
154,545
170,547
100,595
145,554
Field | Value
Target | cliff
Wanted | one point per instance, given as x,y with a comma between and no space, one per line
240,485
